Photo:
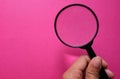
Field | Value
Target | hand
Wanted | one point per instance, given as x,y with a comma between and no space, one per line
84,68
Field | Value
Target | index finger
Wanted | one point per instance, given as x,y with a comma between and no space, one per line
77,68
81,63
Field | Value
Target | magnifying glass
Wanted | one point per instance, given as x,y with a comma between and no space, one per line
76,25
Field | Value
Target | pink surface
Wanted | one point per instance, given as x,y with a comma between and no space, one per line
29,48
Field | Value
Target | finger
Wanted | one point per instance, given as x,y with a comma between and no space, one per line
93,69
104,64
81,63
109,73
76,70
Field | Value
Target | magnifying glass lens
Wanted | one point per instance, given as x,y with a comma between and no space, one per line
76,26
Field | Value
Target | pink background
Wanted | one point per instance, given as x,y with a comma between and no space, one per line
29,48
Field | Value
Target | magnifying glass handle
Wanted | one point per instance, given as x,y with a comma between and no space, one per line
91,53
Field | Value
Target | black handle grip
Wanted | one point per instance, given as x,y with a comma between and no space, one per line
91,53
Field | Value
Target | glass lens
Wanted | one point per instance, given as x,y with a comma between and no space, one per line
76,26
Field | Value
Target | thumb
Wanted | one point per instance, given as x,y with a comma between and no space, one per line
93,69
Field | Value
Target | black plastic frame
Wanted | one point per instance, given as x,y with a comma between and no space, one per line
81,5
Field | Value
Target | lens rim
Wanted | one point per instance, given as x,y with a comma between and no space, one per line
81,5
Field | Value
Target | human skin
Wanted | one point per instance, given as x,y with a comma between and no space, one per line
84,68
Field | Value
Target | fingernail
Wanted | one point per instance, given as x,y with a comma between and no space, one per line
97,62
109,71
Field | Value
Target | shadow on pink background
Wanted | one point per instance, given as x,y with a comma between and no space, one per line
29,48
